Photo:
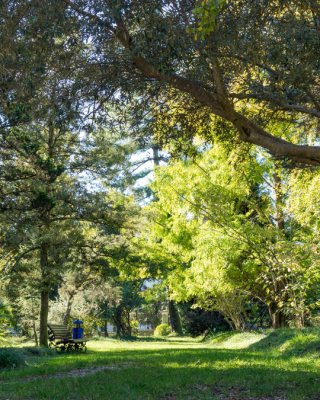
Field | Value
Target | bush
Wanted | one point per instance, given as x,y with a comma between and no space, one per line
39,351
197,321
162,330
11,358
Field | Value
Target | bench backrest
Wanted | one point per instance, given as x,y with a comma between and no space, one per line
60,331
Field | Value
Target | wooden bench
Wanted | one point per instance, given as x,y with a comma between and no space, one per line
60,338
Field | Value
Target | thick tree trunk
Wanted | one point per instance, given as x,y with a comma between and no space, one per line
174,318
118,321
278,318
128,330
129,324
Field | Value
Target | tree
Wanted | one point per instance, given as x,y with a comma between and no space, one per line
92,303
218,214
241,70
5,317
38,49
47,201
154,300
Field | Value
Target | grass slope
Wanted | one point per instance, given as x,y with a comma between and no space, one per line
275,365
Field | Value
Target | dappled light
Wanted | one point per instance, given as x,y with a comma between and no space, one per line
159,199
116,369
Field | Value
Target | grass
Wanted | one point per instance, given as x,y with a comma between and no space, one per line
282,364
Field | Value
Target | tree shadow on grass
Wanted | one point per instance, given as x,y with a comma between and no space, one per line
202,373
273,340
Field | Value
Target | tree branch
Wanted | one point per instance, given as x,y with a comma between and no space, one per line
247,130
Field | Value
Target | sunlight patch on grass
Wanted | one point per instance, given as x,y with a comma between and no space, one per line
236,340
301,344
232,364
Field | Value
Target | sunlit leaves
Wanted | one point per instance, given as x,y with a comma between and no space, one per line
207,11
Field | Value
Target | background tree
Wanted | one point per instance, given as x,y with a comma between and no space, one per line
46,199
225,223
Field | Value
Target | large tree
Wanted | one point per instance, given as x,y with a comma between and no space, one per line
255,64
247,63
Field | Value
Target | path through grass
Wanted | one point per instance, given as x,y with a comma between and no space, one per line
274,366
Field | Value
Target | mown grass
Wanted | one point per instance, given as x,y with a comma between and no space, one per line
273,365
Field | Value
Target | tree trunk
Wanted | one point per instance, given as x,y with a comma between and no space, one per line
299,321
44,308
67,314
44,301
118,321
279,201
156,155
278,318
128,325
106,334
35,334
174,318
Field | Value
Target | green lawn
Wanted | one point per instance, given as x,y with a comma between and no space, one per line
277,365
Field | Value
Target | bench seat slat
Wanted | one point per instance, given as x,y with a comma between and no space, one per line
62,334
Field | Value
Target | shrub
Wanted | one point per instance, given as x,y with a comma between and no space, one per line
39,351
197,321
11,358
162,330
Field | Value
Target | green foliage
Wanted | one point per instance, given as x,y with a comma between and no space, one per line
134,324
39,351
228,228
154,300
5,317
303,198
162,330
51,220
213,214
207,11
197,321
12,358
244,67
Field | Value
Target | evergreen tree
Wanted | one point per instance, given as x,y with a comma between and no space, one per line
47,201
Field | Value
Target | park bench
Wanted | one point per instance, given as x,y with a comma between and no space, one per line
60,338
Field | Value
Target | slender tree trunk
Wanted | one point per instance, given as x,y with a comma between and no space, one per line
35,333
44,299
156,155
34,325
44,308
106,334
278,319
128,327
67,314
279,201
